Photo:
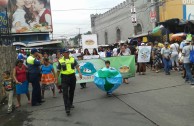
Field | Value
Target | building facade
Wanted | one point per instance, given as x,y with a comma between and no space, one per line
116,24
182,9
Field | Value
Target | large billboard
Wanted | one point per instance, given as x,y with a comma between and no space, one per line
29,15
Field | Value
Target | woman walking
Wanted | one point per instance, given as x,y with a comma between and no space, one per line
156,56
48,78
20,77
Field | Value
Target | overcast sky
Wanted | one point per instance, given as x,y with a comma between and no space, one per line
67,22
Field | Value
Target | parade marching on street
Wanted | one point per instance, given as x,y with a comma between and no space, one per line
129,65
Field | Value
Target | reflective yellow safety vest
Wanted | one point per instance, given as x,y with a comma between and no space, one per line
67,65
30,60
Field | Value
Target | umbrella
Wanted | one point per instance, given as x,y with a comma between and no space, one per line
157,31
177,37
108,79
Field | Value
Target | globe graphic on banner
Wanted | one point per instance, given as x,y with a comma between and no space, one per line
87,69
108,80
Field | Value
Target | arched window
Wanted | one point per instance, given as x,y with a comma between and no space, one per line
138,29
118,35
106,38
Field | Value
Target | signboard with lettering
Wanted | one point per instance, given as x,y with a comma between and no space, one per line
3,22
188,9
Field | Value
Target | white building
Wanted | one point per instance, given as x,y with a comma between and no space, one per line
116,25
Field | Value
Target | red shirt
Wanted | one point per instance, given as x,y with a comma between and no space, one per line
21,73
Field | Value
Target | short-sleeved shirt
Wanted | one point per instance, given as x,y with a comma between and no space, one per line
46,69
183,44
8,84
186,51
174,48
166,52
75,64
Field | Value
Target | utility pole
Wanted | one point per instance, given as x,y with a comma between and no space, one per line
133,16
79,36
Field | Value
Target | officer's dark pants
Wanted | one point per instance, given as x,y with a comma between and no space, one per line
36,91
68,85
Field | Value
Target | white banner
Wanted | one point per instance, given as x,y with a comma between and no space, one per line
144,54
89,42
91,57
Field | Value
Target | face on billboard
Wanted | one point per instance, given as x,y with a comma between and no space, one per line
30,16
28,3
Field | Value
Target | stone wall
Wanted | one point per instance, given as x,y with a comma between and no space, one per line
8,57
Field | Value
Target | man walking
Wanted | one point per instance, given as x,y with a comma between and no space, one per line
34,76
166,54
66,67
187,64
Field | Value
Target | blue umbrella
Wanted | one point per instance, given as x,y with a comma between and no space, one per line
108,80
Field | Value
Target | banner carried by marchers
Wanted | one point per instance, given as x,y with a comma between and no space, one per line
144,54
124,64
88,68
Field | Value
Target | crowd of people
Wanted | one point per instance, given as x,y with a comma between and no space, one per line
38,69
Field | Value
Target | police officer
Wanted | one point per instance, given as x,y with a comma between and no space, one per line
34,76
66,67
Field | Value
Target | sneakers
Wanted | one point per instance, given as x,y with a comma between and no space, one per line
109,94
72,106
68,111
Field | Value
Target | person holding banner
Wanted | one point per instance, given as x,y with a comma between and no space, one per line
66,68
86,53
141,66
95,52
123,52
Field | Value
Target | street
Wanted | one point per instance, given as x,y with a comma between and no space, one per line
150,100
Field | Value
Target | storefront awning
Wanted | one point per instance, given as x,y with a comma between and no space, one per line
34,44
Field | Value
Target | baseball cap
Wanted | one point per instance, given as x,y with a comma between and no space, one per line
166,43
34,51
64,50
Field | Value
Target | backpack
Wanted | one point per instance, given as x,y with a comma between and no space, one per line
191,57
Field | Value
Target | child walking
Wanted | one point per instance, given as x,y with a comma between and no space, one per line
48,77
8,90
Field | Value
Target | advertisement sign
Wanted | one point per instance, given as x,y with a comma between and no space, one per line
144,54
29,16
3,22
188,9
89,42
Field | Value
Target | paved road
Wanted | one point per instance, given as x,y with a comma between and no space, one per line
150,100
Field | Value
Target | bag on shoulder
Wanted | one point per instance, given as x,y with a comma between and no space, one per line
191,57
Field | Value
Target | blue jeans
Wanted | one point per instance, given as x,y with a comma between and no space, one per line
166,65
188,72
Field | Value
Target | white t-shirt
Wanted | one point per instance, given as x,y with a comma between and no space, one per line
18,16
186,52
115,52
174,48
166,52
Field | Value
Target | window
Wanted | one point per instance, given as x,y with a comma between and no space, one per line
118,35
106,38
138,29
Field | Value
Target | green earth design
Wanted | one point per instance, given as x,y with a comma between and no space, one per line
107,74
